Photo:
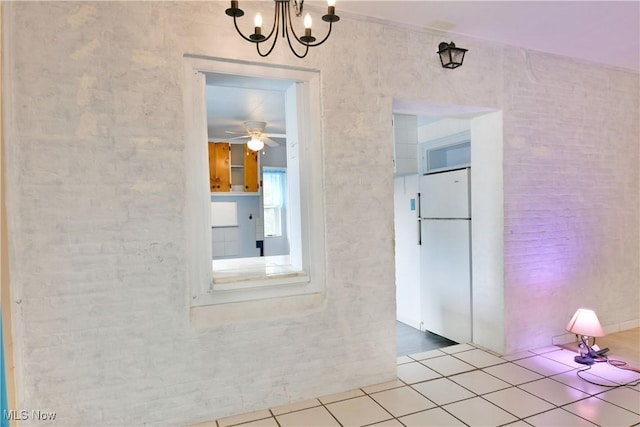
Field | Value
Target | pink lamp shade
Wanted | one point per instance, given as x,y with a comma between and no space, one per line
586,323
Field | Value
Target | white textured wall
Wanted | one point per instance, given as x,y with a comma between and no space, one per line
571,195
405,138
95,179
442,128
487,241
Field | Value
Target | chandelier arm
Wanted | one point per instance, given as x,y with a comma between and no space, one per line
286,33
293,49
290,27
269,51
284,9
275,39
305,43
275,25
324,39
240,32
274,28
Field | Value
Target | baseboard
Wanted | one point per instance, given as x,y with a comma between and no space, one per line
609,329
631,324
410,322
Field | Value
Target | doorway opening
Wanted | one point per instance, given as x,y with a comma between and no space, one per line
446,296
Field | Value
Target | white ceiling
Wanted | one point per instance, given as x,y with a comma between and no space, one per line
232,100
606,32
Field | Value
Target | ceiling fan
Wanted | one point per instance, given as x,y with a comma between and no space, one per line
257,137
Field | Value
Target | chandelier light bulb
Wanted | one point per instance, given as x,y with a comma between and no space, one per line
257,22
307,21
331,3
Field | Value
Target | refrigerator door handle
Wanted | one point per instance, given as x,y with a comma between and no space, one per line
419,219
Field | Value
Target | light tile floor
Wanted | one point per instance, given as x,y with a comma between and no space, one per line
464,385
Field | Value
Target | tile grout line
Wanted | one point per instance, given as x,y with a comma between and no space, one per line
481,369
331,413
442,376
274,417
475,395
531,394
562,407
386,410
437,405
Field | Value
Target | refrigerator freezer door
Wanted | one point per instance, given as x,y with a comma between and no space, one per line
445,195
446,278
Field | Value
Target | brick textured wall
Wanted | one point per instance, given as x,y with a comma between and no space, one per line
95,178
571,194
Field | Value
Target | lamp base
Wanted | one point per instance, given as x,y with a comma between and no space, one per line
585,360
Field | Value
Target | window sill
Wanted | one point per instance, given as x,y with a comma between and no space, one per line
246,279
246,282
256,290
243,269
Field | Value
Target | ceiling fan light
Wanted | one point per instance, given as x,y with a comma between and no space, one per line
255,144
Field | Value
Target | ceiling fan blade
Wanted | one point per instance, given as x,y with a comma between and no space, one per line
226,138
275,135
234,133
269,142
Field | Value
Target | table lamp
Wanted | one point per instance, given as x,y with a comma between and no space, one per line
585,324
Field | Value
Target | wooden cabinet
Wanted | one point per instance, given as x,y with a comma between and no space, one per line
250,169
232,168
219,157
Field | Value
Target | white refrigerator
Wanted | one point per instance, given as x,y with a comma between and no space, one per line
444,219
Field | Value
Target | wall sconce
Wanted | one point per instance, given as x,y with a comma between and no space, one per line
585,324
450,55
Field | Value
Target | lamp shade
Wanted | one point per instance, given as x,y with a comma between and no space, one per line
255,144
585,322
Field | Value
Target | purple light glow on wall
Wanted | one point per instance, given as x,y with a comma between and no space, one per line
545,251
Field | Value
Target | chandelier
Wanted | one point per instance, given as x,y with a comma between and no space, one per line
282,25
